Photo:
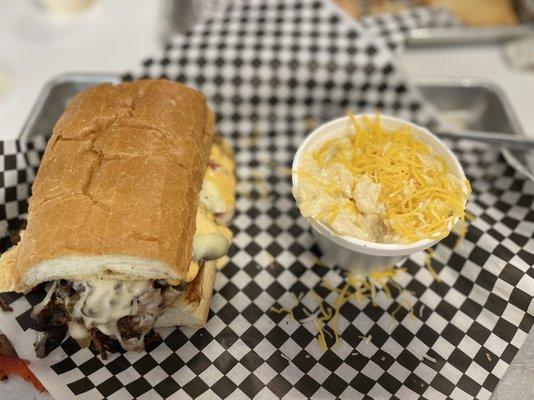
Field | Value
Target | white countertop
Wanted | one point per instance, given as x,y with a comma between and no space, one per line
115,35
112,36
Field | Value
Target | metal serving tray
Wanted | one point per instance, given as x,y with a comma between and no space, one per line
463,103
55,96
480,105
464,35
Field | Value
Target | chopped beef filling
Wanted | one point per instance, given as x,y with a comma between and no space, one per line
15,230
103,344
51,319
4,306
111,315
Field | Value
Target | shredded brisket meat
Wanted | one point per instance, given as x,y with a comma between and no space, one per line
14,237
100,342
51,322
4,306
15,229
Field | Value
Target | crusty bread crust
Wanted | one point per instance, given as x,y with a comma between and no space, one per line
192,308
8,269
117,191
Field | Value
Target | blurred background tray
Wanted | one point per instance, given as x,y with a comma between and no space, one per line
522,10
179,16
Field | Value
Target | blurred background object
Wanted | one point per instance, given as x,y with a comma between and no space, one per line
6,83
480,12
351,7
66,6
520,53
180,16
468,12
37,45
479,21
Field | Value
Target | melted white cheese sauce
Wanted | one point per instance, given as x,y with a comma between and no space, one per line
51,287
219,185
211,240
103,303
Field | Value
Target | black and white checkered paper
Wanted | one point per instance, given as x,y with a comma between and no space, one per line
267,68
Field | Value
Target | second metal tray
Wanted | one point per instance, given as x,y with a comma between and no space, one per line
479,105
179,16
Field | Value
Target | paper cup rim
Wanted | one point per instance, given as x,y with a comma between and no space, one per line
333,129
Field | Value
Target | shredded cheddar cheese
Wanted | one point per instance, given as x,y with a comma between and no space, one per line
359,288
419,197
431,359
281,310
396,310
428,264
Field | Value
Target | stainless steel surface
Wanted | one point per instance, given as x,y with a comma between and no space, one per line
456,131
464,103
54,98
519,53
460,106
497,139
177,16
478,105
465,35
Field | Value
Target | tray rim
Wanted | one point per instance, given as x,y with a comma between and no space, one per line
43,95
112,77
516,126
466,35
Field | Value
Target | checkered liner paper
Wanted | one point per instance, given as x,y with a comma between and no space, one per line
267,68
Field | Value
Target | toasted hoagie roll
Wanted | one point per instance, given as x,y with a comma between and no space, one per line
118,229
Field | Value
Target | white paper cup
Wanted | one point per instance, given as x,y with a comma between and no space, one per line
356,255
